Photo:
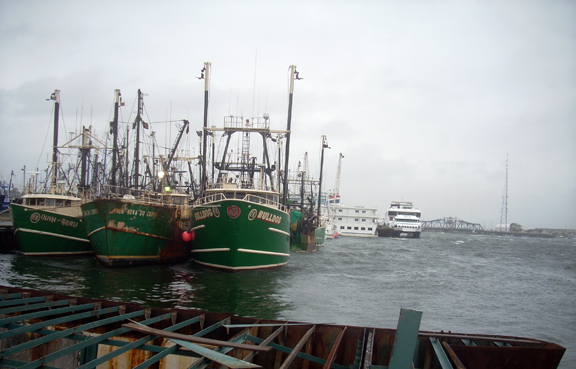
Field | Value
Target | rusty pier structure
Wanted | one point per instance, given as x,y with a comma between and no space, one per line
44,330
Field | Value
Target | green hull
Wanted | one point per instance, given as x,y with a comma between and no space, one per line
320,236
304,236
235,235
48,233
128,232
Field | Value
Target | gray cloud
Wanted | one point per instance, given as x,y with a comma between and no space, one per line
425,100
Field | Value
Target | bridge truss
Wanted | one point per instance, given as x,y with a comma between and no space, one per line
451,223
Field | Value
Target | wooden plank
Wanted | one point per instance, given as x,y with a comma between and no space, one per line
187,338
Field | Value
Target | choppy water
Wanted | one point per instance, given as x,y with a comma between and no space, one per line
463,283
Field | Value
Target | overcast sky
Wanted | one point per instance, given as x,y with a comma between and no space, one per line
425,99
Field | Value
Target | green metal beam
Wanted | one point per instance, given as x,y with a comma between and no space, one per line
440,353
406,339
46,323
19,309
22,301
45,313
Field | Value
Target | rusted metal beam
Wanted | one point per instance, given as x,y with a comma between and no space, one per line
216,356
201,340
268,339
334,350
453,356
297,348
369,350
479,337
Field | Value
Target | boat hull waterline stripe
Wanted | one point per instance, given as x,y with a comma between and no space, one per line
279,231
218,266
106,257
57,253
263,252
221,249
51,234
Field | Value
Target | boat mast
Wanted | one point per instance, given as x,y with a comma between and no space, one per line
84,150
206,77
136,125
293,75
56,97
324,146
114,127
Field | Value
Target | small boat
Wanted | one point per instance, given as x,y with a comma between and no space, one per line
130,226
50,223
66,331
404,219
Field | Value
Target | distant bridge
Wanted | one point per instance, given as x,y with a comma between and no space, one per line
451,224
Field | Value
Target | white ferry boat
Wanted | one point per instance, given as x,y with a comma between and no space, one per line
404,219
355,221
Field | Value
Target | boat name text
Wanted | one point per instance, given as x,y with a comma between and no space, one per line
203,214
36,217
137,212
267,217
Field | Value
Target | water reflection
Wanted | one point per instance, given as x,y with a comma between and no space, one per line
249,293
252,293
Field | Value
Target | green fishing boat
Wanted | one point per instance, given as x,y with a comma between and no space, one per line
240,222
49,225
141,220
308,230
131,231
240,229
48,221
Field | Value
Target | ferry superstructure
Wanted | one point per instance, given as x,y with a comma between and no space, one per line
404,218
355,221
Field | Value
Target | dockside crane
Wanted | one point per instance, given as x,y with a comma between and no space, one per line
337,184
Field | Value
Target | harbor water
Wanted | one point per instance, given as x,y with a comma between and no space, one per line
479,284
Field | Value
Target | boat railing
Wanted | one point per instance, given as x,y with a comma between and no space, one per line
209,199
237,122
266,202
255,199
137,195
